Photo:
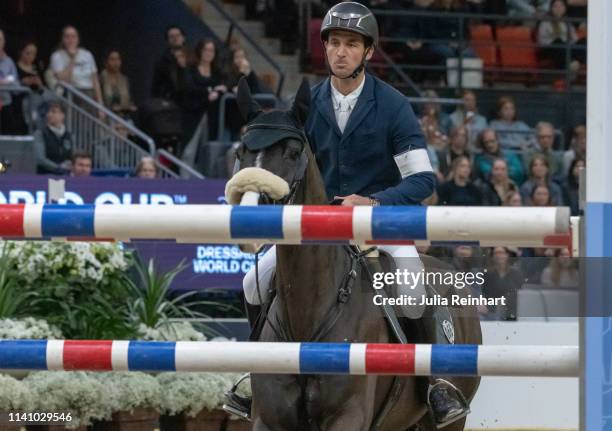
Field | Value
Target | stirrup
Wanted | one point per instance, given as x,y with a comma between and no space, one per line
237,404
453,392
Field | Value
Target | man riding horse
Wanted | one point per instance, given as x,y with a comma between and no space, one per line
370,150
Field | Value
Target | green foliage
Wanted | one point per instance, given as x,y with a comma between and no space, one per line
12,298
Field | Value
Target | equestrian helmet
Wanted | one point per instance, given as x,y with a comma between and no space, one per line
351,16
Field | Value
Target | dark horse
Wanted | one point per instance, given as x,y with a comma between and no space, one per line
306,306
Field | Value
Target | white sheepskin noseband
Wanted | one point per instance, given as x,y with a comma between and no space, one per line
255,180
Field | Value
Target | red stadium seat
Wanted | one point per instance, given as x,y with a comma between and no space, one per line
483,43
516,47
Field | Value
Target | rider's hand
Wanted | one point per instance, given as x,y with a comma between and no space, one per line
353,200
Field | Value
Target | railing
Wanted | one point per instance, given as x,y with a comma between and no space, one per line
185,171
463,42
113,142
28,113
251,41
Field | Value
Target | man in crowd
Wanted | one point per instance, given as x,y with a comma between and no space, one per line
545,138
81,164
167,67
53,144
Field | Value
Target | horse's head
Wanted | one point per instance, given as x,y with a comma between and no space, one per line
274,162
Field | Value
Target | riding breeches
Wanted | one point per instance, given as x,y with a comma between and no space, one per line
406,259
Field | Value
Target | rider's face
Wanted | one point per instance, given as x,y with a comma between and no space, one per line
344,50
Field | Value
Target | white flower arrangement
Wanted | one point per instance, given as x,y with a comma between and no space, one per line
130,390
190,393
38,260
15,395
170,331
74,392
28,328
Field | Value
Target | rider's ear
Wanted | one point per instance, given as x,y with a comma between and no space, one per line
301,104
248,107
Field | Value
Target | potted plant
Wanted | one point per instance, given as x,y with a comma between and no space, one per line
74,392
135,401
15,396
192,401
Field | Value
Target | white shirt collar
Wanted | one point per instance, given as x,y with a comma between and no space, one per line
348,102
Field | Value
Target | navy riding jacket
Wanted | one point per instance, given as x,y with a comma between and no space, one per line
375,156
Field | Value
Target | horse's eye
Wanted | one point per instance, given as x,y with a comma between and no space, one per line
293,153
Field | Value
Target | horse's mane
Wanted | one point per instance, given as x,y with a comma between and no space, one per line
313,187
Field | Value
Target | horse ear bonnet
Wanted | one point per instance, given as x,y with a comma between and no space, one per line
248,107
270,128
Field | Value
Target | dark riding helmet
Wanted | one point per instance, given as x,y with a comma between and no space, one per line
351,16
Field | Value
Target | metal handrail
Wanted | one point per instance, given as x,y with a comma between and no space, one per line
111,115
234,25
183,167
397,69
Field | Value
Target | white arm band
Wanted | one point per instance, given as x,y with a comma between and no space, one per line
412,162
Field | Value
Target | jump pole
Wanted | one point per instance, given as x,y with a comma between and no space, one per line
290,358
478,226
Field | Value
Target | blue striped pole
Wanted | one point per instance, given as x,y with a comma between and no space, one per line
290,358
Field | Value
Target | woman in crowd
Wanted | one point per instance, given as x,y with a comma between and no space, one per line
571,186
146,168
491,150
459,190
240,67
458,146
116,87
502,280
513,134
513,199
540,196
75,65
30,76
562,271
207,87
435,123
467,115
498,186
554,31
577,147
539,174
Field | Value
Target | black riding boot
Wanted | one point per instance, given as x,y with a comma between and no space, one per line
446,402
237,404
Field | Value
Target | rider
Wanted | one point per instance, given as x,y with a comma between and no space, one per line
370,150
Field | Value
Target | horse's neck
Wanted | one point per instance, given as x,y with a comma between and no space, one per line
307,284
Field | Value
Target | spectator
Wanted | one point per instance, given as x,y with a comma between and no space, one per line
146,168
571,186
76,66
555,31
167,68
513,134
53,144
467,115
459,190
513,199
435,123
8,75
527,7
457,147
81,164
545,138
444,30
206,88
539,174
540,196
490,150
116,87
578,148
502,280
498,186
242,67
29,76
562,271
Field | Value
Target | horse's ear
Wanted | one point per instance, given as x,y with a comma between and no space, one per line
248,107
301,104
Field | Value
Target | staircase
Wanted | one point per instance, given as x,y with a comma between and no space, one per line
290,64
